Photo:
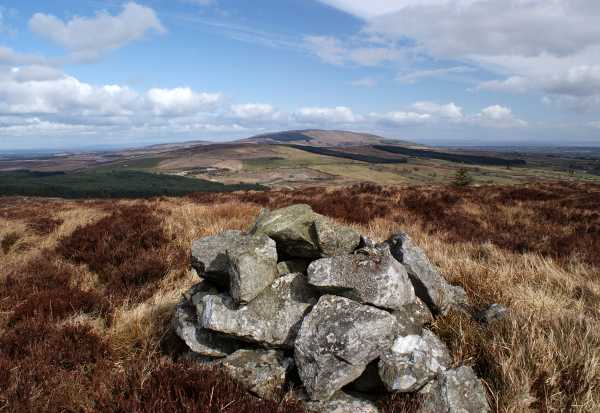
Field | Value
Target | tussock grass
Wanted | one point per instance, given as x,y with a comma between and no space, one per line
84,276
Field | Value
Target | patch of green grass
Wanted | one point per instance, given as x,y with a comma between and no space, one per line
114,184
142,164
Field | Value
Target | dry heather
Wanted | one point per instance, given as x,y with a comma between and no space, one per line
87,289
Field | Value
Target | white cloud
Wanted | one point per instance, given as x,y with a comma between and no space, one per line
180,101
254,111
10,57
36,73
448,111
418,75
199,2
87,38
339,114
367,9
333,51
401,118
498,116
364,82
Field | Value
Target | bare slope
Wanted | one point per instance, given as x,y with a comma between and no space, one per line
316,137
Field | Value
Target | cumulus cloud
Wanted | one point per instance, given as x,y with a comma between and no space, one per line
448,111
254,111
336,115
180,101
415,76
498,116
87,37
401,118
10,57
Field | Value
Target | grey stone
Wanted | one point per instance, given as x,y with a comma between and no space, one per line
209,256
336,342
262,372
272,319
366,242
455,391
301,233
412,317
413,361
429,284
370,276
252,267
340,402
186,326
292,266
334,239
494,312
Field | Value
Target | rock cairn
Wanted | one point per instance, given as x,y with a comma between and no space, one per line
300,298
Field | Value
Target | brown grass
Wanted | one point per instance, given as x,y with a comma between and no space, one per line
85,309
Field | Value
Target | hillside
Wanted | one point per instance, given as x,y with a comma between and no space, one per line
88,290
317,137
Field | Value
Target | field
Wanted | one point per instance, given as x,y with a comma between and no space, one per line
88,288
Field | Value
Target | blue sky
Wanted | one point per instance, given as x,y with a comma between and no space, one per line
455,72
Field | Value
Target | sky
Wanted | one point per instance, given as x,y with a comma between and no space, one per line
85,73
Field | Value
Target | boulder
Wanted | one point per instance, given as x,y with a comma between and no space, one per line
292,266
262,372
340,402
413,361
336,342
455,391
370,276
209,256
272,319
252,267
494,312
412,317
186,326
301,233
428,283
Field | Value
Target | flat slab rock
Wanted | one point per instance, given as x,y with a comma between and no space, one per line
413,361
262,372
209,255
455,391
185,324
412,317
301,233
340,402
370,276
252,267
429,284
272,319
336,342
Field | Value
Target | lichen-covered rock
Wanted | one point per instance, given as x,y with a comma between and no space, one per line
428,283
413,361
455,391
336,342
186,326
272,319
209,256
252,267
262,372
340,402
370,276
292,266
301,233
334,239
412,317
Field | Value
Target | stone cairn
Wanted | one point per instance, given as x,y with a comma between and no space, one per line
301,298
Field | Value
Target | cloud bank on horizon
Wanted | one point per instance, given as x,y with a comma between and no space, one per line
434,71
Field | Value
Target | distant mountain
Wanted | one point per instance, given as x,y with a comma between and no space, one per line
317,137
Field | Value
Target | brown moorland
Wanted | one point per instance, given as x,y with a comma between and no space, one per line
87,289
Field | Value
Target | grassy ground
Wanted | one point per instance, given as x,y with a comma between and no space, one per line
103,345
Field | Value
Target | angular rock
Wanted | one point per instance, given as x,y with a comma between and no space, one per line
340,402
272,319
301,233
186,326
370,276
252,267
336,342
429,285
366,242
413,361
334,239
412,317
455,391
494,312
262,372
292,266
209,256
